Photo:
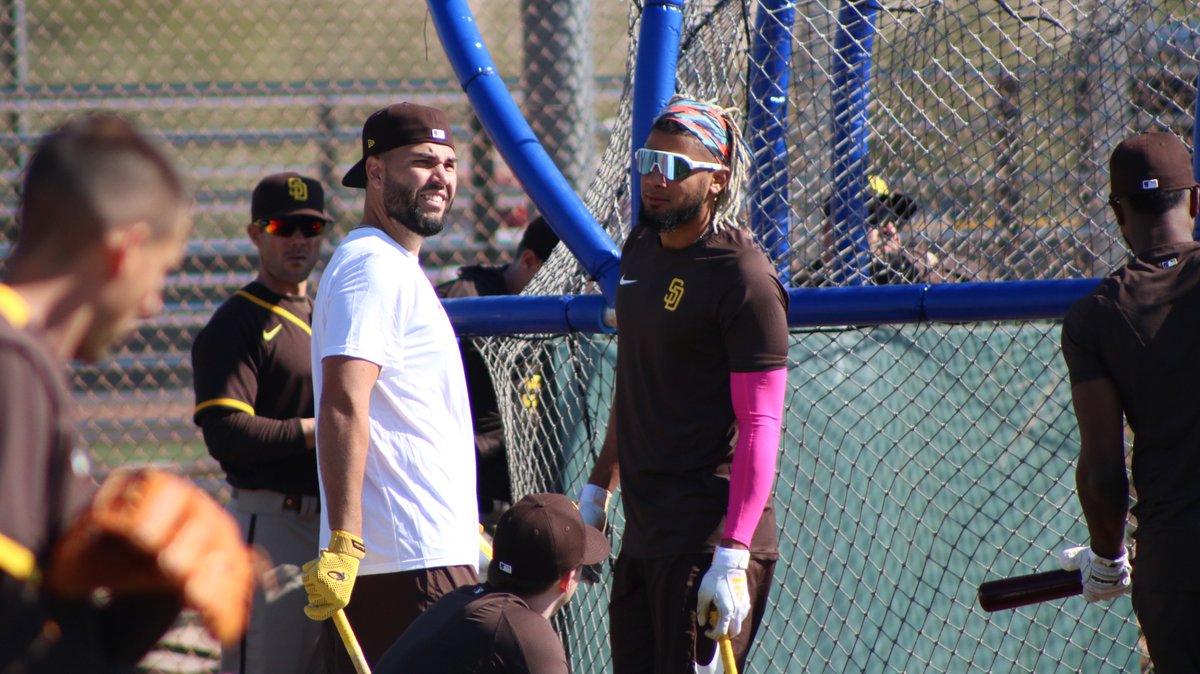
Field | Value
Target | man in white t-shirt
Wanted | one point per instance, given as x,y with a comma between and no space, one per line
395,450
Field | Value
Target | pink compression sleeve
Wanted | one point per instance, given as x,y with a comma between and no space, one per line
758,407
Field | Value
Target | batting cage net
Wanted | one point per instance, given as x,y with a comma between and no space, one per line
917,460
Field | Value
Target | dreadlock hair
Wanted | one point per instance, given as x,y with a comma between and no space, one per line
728,208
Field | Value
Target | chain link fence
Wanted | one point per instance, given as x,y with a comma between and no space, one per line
917,461
236,91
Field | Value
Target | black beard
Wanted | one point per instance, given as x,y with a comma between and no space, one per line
401,206
665,223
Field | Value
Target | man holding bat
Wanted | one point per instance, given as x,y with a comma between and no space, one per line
395,454
695,423
1131,349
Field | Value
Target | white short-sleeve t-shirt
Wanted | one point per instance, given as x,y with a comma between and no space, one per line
418,500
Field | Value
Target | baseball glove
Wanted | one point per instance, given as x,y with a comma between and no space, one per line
149,532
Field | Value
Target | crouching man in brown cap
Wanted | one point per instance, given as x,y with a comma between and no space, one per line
503,626
1130,347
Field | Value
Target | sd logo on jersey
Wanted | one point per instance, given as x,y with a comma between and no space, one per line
674,295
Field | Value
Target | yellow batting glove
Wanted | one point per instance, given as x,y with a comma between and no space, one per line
329,579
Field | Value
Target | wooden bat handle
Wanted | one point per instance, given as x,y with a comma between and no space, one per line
1006,593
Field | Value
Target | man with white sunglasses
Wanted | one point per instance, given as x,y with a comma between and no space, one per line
694,429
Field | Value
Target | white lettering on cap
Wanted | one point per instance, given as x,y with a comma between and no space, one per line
1151,184
438,133
506,567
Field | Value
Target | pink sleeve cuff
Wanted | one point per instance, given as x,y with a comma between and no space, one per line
758,407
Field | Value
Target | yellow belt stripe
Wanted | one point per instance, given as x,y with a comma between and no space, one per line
16,560
224,402
287,315
13,307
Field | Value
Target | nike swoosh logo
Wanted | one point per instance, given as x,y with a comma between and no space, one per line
627,281
268,335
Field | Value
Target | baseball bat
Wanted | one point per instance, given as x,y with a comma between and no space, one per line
1006,593
726,646
351,642
723,662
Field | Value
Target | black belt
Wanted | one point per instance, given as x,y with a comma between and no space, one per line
291,502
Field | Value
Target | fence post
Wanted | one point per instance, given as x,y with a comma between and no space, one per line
559,83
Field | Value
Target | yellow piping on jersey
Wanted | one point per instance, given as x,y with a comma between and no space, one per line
233,403
17,560
13,307
287,315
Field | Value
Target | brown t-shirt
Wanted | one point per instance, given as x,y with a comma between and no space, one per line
477,629
687,318
44,475
254,357
1141,329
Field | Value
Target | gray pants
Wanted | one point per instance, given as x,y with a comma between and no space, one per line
280,638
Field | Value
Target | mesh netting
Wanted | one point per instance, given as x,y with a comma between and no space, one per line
916,461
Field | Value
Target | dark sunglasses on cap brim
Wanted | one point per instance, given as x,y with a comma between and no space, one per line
672,166
309,227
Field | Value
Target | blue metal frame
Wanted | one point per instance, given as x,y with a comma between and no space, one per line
657,60
545,184
809,307
851,95
767,124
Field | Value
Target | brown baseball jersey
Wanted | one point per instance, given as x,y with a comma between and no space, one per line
44,477
45,484
477,630
1141,329
254,357
686,318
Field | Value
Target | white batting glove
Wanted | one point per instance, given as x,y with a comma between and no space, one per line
1103,579
593,505
724,589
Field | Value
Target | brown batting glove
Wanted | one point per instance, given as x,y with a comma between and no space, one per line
150,532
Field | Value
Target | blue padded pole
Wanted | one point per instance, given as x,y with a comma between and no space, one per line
771,59
543,182
809,307
851,88
654,78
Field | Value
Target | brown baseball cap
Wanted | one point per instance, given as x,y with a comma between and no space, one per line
283,195
1150,162
542,537
395,126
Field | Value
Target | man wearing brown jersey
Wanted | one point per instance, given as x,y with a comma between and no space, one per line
1130,347
89,579
694,430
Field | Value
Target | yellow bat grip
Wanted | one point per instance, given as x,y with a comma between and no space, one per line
351,642
724,647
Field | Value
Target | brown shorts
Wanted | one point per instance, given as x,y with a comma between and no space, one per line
383,605
652,614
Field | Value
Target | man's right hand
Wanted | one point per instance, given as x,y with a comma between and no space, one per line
1103,578
329,579
593,505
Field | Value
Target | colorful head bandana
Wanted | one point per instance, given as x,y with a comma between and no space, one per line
704,121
